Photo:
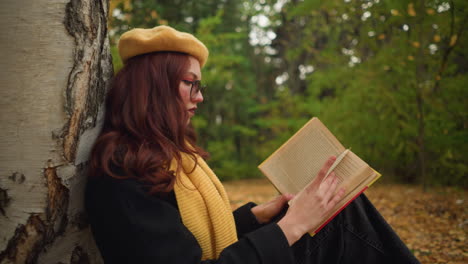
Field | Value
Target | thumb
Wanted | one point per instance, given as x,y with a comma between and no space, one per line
283,199
288,197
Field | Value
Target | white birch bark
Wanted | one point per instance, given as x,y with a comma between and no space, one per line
54,67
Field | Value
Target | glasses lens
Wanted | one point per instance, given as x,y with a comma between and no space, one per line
196,87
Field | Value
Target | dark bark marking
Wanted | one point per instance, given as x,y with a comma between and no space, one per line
4,200
24,246
17,177
30,239
87,29
79,256
57,201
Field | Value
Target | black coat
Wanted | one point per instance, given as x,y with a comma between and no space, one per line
131,226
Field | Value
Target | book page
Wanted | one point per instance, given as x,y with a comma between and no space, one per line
297,162
350,171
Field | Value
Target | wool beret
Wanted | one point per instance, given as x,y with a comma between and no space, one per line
161,38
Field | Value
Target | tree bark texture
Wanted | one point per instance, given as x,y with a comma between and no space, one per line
54,68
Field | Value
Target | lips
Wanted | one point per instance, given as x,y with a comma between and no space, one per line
192,111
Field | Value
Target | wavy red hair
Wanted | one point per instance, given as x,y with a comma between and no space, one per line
145,125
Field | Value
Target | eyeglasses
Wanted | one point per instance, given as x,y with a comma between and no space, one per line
195,87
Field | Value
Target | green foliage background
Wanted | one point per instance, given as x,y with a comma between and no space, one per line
389,78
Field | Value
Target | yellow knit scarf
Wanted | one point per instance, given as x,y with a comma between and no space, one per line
204,206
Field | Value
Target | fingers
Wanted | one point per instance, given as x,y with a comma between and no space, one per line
335,199
322,173
328,187
280,200
318,180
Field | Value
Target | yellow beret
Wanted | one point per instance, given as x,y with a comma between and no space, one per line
161,38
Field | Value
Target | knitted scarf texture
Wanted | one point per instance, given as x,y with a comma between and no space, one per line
204,206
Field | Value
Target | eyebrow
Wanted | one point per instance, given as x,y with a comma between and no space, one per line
194,75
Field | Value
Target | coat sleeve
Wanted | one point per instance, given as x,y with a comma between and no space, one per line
246,221
130,226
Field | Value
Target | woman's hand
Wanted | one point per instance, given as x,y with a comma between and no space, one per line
311,204
266,211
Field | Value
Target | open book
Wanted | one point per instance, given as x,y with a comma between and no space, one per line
297,162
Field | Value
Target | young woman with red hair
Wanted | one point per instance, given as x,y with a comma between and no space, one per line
151,198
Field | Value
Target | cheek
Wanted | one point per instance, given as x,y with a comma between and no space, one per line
184,94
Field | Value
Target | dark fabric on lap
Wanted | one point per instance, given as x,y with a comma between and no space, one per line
359,234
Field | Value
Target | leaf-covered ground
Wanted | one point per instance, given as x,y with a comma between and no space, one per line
433,224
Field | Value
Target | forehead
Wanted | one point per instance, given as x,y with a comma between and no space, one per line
194,67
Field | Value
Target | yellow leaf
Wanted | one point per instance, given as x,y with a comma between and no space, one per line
438,78
416,44
430,11
154,14
410,57
381,36
436,38
411,11
453,40
394,12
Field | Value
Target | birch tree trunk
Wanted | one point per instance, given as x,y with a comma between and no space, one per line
54,67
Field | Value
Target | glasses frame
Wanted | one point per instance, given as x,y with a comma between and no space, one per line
198,87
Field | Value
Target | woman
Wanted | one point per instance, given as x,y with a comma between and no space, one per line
151,198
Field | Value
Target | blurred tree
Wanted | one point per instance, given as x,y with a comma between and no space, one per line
379,73
388,78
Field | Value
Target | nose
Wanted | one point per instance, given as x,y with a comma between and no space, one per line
198,97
